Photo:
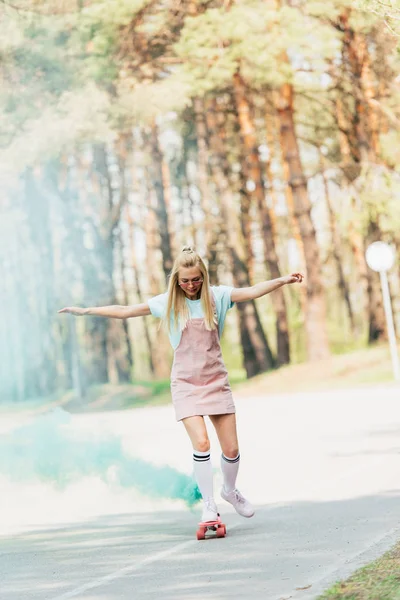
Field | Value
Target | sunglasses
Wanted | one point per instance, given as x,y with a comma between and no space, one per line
194,283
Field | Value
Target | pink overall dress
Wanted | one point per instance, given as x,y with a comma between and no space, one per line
199,379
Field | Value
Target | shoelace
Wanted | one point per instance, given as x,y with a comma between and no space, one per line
210,505
239,497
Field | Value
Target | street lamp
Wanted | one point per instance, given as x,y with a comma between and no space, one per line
380,257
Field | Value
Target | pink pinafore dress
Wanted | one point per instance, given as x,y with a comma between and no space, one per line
199,379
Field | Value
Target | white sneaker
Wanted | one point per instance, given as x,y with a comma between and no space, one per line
210,511
239,502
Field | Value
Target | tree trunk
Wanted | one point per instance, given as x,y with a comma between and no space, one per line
77,379
126,302
136,278
270,137
336,243
253,171
158,179
362,131
369,89
376,313
351,159
272,126
194,233
112,198
247,225
354,54
248,197
210,235
123,149
257,356
16,331
19,315
166,181
315,321
160,346
68,184
38,216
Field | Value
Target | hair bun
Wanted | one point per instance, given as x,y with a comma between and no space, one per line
188,249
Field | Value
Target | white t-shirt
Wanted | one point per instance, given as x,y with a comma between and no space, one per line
223,302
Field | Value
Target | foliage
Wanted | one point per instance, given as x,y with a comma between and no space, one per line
99,115
253,38
388,11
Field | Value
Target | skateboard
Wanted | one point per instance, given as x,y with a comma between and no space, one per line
211,529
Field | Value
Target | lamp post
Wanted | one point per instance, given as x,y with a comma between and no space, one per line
380,258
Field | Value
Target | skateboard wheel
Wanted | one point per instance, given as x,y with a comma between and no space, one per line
201,535
220,532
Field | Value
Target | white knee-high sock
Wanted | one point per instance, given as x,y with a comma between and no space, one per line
229,467
203,473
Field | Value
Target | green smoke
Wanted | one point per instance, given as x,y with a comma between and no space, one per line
47,449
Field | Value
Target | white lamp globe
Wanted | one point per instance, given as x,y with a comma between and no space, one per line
380,256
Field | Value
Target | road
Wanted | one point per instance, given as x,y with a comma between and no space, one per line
322,468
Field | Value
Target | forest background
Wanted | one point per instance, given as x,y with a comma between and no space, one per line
266,133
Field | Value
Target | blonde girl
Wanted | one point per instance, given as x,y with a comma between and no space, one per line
194,314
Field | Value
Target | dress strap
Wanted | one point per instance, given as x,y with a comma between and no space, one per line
214,305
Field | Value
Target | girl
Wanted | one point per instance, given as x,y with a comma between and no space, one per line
194,314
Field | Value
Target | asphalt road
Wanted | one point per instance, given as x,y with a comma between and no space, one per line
323,470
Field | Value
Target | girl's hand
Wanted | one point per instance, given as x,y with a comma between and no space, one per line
294,278
74,310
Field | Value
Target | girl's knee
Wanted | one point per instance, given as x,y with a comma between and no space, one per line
231,451
202,444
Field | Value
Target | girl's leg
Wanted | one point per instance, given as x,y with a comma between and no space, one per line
196,429
225,426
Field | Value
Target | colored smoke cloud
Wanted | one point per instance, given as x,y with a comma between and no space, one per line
50,449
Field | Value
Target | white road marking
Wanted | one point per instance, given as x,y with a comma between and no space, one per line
128,569
160,555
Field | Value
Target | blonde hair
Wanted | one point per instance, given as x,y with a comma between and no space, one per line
177,307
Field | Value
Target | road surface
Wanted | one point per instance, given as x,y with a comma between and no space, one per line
323,470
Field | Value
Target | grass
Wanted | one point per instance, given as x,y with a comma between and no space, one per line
365,367
99,398
379,580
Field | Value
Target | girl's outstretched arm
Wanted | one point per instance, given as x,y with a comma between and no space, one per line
263,288
115,311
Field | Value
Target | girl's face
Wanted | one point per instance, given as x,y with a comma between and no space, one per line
190,281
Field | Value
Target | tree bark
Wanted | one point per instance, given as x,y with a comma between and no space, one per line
257,356
160,346
162,210
272,126
123,151
126,302
112,198
362,130
354,55
38,217
211,222
18,342
66,186
136,277
193,228
315,320
376,313
253,171
336,243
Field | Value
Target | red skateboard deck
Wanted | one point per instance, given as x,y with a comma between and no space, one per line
211,529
